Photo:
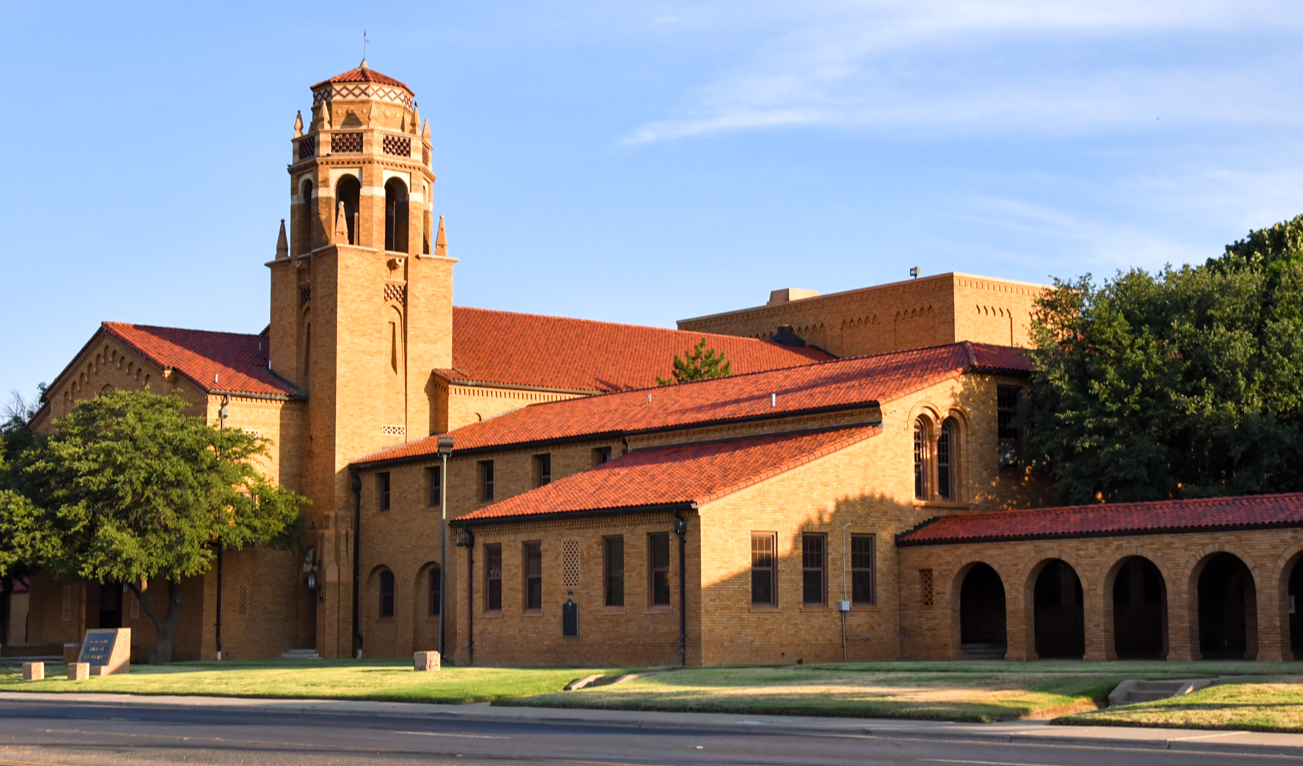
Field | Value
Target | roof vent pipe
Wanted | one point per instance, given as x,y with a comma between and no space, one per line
785,336
773,400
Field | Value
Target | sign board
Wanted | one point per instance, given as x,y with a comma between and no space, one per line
570,619
107,651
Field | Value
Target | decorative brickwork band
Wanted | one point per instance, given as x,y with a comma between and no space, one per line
396,293
393,430
307,148
399,146
346,143
925,586
361,91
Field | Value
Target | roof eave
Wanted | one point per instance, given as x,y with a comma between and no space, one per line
904,542
682,505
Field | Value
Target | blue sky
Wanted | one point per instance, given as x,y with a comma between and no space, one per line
642,162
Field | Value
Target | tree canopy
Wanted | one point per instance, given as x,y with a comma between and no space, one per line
1184,383
131,490
701,363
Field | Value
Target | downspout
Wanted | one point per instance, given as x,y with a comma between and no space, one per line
470,599
681,529
357,562
222,414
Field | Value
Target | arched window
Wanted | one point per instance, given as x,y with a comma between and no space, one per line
395,215
436,582
920,459
947,459
348,192
386,594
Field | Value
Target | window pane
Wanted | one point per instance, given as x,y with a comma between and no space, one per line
486,480
945,464
435,584
920,460
813,547
658,554
433,479
386,594
763,546
862,569
493,576
613,564
533,576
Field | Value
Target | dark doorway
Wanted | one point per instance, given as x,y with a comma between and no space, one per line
1226,598
110,606
1060,616
1296,610
982,615
1139,610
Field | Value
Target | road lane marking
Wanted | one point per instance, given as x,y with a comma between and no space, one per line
984,763
443,734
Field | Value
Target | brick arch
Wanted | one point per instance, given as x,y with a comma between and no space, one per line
1283,568
961,567
1114,558
1193,569
425,629
1027,576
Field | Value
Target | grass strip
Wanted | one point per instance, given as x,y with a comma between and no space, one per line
1261,704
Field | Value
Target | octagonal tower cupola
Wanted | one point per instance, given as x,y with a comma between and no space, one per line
360,169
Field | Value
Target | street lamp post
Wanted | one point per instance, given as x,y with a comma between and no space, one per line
445,449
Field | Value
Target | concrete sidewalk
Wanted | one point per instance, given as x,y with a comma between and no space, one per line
1013,732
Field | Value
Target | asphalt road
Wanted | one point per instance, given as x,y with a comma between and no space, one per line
39,732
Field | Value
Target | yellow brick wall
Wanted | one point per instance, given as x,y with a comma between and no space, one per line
932,632
929,311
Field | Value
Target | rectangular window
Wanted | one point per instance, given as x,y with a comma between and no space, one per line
658,569
486,480
613,570
1006,402
382,490
542,470
764,569
533,568
601,455
433,486
493,578
862,564
386,594
814,569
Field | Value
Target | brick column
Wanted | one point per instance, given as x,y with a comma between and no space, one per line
1271,638
1097,638
1182,636
1021,625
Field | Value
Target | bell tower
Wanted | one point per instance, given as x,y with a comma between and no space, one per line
361,302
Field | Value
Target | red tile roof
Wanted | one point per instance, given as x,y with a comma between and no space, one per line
672,476
1164,516
218,362
364,74
840,384
581,355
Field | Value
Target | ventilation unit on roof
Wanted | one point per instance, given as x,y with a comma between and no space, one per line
786,337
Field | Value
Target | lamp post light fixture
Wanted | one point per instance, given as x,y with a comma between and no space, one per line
445,449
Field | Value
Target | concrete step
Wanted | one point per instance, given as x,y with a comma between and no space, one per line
983,651
1132,692
301,654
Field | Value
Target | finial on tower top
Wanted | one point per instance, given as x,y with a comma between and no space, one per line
282,244
364,42
298,124
362,65
441,240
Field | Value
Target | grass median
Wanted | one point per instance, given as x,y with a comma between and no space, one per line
1273,703
386,680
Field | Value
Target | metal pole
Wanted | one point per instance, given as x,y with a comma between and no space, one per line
443,542
222,414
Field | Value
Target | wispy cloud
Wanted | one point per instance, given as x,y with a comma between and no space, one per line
1037,66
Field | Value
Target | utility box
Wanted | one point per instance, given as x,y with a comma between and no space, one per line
843,606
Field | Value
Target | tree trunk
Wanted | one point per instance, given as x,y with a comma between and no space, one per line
165,625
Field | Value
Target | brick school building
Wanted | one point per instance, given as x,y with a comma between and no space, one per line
853,489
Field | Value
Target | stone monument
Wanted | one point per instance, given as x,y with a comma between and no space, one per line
33,671
426,661
107,651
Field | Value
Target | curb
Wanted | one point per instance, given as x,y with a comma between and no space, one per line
1024,733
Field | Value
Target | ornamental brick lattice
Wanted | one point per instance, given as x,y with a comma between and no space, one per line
305,295
307,148
396,293
570,563
399,146
346,143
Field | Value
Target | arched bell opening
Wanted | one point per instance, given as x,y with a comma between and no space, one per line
396,215
1059,612
982,631
348,195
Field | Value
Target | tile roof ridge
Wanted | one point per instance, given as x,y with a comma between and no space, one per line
1126,505
136,326
609,323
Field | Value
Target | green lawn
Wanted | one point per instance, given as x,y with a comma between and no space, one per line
392,680
1257,704
957,691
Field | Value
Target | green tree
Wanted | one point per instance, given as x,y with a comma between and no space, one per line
701,363
133,491
20,539
1185,383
